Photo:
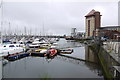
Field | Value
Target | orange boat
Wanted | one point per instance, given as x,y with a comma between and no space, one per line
51,52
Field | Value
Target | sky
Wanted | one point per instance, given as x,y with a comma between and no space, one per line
51,17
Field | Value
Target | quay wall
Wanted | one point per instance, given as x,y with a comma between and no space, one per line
106,61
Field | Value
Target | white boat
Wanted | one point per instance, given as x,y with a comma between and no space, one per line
43,51
6,49
34,45
54,45
37,43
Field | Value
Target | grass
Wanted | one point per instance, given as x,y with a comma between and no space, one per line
45,77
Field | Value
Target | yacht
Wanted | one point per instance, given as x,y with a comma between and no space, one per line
6,49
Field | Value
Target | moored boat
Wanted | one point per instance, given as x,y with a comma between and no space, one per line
7,49
38,50
17,56
51,52
66,51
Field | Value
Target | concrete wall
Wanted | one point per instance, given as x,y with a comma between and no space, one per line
90,55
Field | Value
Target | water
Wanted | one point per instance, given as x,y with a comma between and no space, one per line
58,67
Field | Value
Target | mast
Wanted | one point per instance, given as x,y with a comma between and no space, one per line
43,29
25,30
9,30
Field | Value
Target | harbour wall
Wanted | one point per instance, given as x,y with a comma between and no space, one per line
106,61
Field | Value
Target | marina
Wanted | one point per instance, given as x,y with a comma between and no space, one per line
55,67
50,40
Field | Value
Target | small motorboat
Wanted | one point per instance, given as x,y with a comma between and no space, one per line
38,54
14,57
51,53
66,51
43,51
38,50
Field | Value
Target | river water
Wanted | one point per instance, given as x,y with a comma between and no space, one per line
59,66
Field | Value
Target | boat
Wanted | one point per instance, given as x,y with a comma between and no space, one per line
66,51
38,54
6,49
46,45
39,44
43,51
51,53
38,50
14,57
34,45
54,45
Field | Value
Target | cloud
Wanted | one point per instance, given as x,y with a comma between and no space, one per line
57,17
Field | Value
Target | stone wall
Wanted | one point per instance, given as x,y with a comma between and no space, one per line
112,46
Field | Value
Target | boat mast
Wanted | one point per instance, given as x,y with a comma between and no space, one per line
43,28
1,6
9,30
25,33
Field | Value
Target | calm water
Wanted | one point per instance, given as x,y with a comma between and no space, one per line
58,67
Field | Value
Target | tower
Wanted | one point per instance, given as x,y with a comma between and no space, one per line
93,23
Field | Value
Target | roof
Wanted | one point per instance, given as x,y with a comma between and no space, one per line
109,27
91,13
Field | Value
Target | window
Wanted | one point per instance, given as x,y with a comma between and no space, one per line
88,27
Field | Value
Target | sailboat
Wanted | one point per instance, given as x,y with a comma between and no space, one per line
6,49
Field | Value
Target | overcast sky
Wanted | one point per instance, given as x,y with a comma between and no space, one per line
56,17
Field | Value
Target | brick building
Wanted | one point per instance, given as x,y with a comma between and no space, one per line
111,32
93,23
94,29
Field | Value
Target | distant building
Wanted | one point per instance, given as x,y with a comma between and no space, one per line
73,32
80,35
93,23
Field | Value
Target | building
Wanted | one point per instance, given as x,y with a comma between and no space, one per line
93,23
73,32
110,32
94,29
80,35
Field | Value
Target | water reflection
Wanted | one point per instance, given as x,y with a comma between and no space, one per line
90,56
56,67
